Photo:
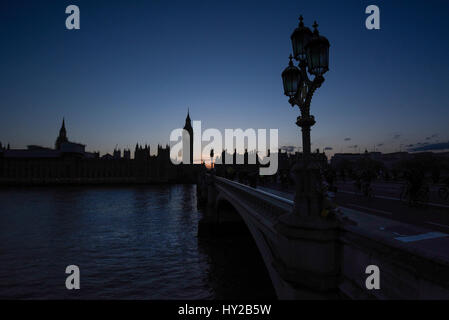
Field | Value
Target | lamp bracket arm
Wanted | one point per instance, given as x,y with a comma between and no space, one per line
305,93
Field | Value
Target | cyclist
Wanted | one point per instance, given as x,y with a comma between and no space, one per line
415,182
358,183
443,192
366,178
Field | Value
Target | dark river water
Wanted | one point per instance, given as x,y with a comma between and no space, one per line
128,242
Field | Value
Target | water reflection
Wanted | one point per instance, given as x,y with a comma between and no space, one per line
129,242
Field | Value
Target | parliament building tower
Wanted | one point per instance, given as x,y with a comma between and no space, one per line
187,142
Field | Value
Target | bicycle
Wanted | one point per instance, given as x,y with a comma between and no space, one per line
367,190
443,193
421,197
404,196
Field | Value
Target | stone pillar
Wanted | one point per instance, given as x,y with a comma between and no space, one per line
201,189
308,256
211,191
308,249
207,226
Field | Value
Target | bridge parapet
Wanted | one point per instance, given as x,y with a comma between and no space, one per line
268,205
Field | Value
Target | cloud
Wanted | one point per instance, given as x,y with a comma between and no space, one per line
396,136
328,148
380,144
347,139
432,136
354,146
430,147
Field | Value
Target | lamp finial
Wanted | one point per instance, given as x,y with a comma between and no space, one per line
315,27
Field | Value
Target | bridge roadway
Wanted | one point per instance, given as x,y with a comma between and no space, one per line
315,258
430,239
391,190
435,217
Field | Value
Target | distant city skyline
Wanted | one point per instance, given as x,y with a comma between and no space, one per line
132,70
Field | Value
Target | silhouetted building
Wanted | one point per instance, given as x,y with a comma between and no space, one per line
117,154
62,138
127,154
187,142
70,163
388,159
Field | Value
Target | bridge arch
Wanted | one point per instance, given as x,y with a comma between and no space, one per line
300,253
228,219
233,219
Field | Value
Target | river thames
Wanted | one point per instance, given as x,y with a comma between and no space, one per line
128,242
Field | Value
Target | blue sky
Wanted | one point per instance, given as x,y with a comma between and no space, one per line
129,74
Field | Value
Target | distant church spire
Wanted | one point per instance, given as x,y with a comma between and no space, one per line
62,136
62,131
188,116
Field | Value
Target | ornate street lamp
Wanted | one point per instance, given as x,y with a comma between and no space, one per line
312,51
291,78
300,38
317,52
211,158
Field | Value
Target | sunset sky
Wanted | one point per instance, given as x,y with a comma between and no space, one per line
132,70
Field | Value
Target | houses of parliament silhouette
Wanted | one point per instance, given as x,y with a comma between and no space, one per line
69,163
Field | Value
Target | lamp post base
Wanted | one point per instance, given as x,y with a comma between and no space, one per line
309,196
309,254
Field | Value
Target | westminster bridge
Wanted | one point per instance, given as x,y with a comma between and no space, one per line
327,257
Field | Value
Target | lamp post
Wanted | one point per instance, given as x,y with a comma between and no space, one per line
211,159
311,50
